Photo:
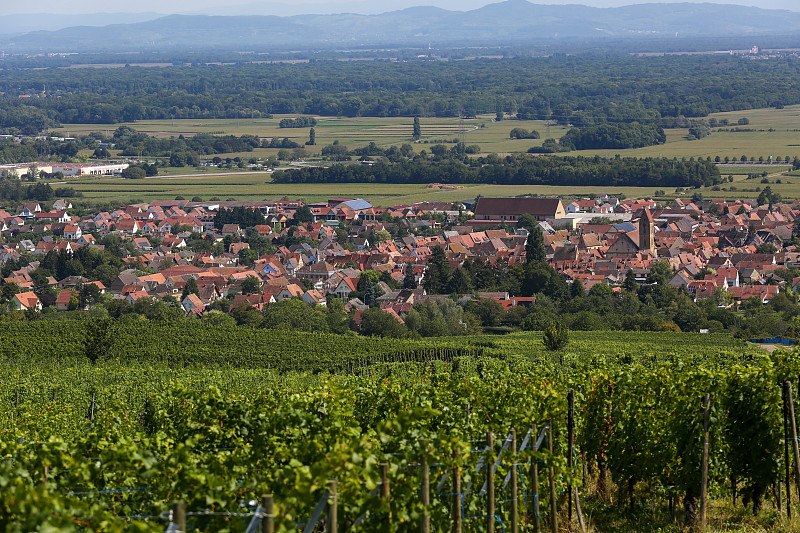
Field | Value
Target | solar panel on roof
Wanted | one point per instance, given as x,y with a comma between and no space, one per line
358,204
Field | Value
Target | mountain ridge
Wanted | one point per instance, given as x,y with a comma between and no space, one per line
509,22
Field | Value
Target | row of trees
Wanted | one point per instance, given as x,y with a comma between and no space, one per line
133,143
13,191
518,170
299,122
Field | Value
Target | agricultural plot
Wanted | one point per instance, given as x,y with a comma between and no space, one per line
352,132
258,186
112,443
493,136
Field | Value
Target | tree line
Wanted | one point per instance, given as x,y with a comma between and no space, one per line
134,143
518,170
299,122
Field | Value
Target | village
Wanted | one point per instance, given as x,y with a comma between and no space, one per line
710,246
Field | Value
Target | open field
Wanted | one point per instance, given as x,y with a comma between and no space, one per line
490,135
783,141
257,186
352,132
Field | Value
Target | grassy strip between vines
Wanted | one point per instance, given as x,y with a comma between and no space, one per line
220,431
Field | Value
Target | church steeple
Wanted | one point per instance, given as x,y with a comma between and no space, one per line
647,240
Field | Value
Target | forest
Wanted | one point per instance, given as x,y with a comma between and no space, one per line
130,142
579,90
632,135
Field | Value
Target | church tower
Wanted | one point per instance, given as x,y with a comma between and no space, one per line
647,240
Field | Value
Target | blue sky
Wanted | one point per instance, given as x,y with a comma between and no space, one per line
194,6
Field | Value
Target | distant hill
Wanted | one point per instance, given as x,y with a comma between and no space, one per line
19,24
505,23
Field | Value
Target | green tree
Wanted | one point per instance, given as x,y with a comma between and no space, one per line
218,318
73,301
337,319
489,312
295,315
303,215
417,133
766,248
251,285
99,339
534,246
245,315
630,283
556,336
409,280
9,290
247,256
577,289
133,173
370,294
460,282
526,221
437,274
312,137
660,273
89,294
767,196
377,323
190,288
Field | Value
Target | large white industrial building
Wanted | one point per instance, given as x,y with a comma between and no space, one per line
68,169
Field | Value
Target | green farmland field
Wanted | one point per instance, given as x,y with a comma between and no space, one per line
492,136
257,186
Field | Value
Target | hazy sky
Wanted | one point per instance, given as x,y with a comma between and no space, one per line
194,6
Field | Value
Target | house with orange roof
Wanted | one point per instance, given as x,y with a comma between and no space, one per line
763,292
72,232
26,301
292,290
192,303
134,296
345,287
64,298
313,296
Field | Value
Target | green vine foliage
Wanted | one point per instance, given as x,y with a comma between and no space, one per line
753,430
219,436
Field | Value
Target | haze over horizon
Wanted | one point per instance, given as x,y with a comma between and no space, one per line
316,6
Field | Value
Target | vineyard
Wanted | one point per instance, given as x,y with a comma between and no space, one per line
356,434
197,344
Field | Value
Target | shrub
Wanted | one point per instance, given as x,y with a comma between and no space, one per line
556,337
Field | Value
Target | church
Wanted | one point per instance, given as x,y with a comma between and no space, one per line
642,241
